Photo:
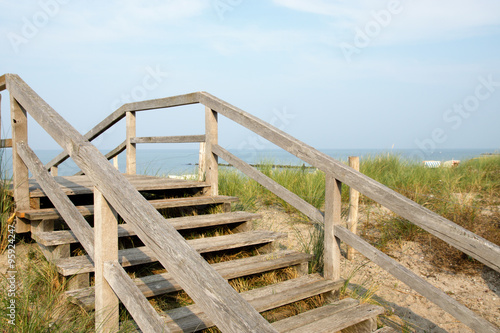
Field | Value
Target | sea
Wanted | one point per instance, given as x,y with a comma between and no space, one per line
164,162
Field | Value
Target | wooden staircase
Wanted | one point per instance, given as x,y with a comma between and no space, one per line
167,221
196,215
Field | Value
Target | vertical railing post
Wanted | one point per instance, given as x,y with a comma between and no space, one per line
352,220
54,170
331,255
105,249
201,162
211,160
131,152
20,172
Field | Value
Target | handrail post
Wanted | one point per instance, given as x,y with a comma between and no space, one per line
202,167
352,220
331,255
20,179
131,152
105,249
54,170
211,160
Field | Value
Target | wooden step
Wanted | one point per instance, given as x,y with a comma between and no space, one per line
142,255
330,318
159,284
53,214
52,238
77,185
191,318
386,329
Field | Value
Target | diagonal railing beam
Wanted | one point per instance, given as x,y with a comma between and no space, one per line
462,239
62,203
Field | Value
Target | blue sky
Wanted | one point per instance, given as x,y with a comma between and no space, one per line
415,74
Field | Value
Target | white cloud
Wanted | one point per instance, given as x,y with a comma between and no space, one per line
420,20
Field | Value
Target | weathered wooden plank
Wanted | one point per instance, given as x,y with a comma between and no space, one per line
120,114
81,185
3,85
352,219
137,305
169,139
111,155
333,210
162,103
211,162
131,161
464,240
68,211
327,319
115,152
154,285
20,174
203,284
316,314
435,295
143,254
107,317
191,318
285,194
52,213
52,238
202,165
5,143
92,134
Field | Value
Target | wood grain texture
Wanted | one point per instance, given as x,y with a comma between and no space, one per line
352,219
192,318
6,143
435,295
52,213
211,161
169,139
107,317
464,240
100,128
327,319
20,174
52,238
81,184
154,285
119,114
66,209
137,305
333,210
143,255
131,159
285,194
203,284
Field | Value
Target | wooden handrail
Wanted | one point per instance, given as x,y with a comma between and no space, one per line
113,153
403,274
293,199
169,139
229,311
119,114
62,203
464,240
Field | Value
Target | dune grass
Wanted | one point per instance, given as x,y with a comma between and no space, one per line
467,194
